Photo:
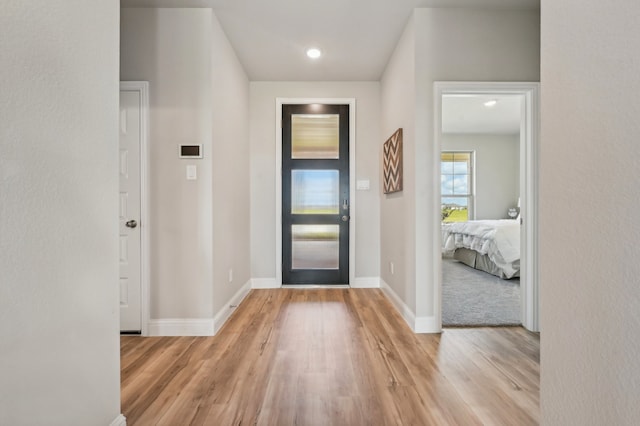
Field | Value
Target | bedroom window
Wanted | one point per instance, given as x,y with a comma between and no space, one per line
456,182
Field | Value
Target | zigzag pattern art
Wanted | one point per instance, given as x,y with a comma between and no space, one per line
392,163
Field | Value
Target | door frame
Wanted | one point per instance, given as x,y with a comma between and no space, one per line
352,174
142,87
529,147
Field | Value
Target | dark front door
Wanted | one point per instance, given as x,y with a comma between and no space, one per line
315,194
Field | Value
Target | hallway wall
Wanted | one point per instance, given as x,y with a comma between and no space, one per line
589,227
440,45
199,94
230,157
59,302
171,49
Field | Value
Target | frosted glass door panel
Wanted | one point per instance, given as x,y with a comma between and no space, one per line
315,191
315,246
315,136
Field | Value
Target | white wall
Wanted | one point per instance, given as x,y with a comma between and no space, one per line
397,210
497,171
171,48
199,93
449,45
590,198
230,157
460,45
263,163
59,312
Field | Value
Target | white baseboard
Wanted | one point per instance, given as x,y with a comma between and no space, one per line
427,325
181,327
360,282
223,315
417,324
400,306
366,282
119,421
264,283
198,326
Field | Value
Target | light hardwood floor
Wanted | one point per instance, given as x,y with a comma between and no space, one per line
330,357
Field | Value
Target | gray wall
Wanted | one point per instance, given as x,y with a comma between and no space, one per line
263,168
440,45
497,172
59,310
590,198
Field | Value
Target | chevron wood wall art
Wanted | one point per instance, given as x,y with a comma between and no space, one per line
392,163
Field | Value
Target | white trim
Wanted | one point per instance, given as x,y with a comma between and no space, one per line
405,312
264,283
417,324
145,225
223,315
366,282
315,286
199,326
528,191
396,301
529,209
352,176
119,421
181,327
427,325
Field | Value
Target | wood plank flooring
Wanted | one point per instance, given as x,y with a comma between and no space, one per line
330,357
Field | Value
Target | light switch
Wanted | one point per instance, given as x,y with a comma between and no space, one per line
192,172
362,185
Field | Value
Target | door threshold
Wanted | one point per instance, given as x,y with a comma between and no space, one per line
314,286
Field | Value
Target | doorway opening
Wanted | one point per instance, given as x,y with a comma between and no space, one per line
495,192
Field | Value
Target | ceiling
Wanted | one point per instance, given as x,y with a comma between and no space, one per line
356,37
468,114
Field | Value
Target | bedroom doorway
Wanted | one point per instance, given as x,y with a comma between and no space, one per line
486,136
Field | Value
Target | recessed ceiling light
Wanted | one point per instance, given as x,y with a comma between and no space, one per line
491,103
314,53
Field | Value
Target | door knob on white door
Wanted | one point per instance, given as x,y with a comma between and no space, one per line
131,224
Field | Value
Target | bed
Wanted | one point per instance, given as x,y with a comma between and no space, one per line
492,246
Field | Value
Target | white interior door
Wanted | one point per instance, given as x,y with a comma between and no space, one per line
130,208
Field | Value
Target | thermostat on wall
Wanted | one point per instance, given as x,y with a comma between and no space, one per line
190,151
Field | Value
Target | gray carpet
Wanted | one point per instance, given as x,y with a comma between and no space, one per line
475,298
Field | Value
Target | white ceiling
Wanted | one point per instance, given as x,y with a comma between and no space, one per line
357,37
468,114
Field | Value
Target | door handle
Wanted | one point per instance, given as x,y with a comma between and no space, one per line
131,224
345,218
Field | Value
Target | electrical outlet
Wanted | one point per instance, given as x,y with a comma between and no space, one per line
230,275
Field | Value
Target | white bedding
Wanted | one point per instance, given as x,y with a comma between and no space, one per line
498,239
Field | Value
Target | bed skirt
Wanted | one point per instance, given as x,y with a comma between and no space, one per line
481,262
